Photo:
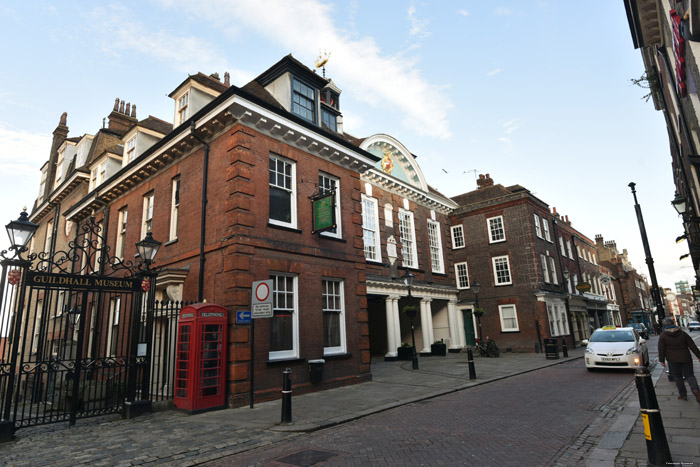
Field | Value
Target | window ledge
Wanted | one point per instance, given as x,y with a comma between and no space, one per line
335,239
441,274
337,356
282,227
285,361
511,331
170,242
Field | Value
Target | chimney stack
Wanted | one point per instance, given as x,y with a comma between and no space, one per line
484,181
121,119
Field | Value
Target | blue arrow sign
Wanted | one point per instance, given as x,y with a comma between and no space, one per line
243,317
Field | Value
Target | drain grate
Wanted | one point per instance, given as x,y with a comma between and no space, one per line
307,458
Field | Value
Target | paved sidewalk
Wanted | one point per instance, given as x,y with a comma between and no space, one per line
174,438
681,421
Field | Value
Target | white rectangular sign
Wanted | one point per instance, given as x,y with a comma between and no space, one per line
261,303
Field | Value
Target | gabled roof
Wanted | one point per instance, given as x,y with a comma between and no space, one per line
156,124
294,66
204,80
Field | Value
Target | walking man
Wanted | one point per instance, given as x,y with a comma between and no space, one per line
675,347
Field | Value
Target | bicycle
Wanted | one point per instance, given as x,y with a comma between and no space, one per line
488,350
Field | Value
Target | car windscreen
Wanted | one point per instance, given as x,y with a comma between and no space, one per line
612,336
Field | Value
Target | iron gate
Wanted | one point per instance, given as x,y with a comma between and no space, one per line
76,330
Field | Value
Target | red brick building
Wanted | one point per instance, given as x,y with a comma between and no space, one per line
228,189
528,263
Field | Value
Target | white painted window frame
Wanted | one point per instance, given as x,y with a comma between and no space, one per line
370,223
458,239
501,309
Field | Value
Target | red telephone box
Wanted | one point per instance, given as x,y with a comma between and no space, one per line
200,371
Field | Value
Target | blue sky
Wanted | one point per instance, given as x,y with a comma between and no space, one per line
535,93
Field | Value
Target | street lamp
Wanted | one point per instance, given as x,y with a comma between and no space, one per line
478,312
411,313
680,204
148,248
20,231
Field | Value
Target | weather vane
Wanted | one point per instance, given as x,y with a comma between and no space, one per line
322,60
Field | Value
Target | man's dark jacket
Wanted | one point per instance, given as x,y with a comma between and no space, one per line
675,346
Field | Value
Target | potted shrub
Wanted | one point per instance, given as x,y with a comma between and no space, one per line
478,312
438,348
405,351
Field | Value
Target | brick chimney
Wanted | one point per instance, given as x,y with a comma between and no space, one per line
122,119
484,181
555,213
59,136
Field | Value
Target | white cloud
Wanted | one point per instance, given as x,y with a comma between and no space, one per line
510,126
21,152
305,26
119,31
463,12
502,11
495,71
418,26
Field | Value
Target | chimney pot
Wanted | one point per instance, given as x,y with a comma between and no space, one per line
227,79
116,104
64,118
128,108
133,111
121,106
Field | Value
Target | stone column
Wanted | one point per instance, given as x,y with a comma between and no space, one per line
453,315
426,324
391,323
397,320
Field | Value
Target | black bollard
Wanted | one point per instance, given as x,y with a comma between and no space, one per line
470,360
287,396
658,452
564,350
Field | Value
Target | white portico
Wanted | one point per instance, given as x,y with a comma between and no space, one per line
437,319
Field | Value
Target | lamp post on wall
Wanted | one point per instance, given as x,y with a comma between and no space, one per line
661,313
478,312
411,313
147,249
20,232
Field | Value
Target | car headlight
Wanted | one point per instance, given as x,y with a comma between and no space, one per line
632,350
589,350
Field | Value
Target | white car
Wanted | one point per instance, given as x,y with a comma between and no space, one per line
613,347
693,326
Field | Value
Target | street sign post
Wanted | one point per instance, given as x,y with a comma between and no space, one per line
261,307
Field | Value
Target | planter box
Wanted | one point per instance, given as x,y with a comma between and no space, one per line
438,349
405,353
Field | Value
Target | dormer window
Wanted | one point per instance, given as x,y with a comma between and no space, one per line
130,149
329,120
303,100
330,98
183,108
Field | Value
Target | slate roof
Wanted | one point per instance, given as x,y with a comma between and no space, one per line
156,124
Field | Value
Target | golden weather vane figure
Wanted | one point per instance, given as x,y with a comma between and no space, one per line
322,60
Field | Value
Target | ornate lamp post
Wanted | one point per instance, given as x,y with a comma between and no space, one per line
478,312
411,313
148,248
20,232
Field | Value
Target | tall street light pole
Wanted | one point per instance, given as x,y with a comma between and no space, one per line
660,312
478,312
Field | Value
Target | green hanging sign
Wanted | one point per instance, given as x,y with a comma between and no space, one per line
323,213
